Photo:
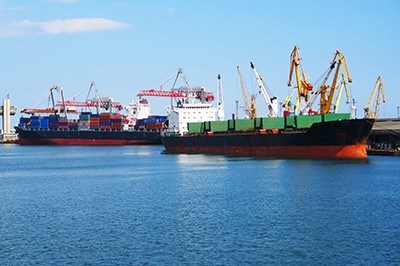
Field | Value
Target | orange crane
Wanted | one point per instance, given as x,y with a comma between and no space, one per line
378,90
339,60
325,102
302,84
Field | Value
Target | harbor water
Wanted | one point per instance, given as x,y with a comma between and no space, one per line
129,205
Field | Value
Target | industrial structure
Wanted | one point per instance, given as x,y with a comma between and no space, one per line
6,111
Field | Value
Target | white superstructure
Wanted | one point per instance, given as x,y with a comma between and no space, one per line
180,115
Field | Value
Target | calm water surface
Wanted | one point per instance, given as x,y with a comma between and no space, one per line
136,205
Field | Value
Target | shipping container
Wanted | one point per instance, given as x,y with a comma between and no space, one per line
219,126
273,122
244,125
306,121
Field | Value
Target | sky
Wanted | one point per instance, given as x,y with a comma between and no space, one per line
125,46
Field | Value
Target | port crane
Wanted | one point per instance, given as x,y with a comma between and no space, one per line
250,106
271,102
326,92
302,84
185,93
379,94
51,105
98,102
343,85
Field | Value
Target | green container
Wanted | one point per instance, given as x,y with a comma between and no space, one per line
306,121
244,125
231,124
335,117
273,122
219,126
195,127
290,121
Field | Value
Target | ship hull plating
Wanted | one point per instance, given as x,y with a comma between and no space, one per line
87,137
335,139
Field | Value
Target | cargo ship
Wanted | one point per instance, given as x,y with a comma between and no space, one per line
55,125
193,128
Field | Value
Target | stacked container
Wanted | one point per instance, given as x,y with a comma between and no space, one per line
62,123
117,121
84,120
73,124
53,121
34,122
44,122
94,121
105,120
24,122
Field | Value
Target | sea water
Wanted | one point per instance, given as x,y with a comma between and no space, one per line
130,205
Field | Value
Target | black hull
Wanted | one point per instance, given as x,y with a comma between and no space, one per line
86,137
343,139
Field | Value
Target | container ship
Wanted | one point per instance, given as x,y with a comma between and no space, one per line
197,127
54,125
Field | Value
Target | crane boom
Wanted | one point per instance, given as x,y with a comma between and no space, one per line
338,60
271,109
220,102
302,84
247,105
343,84
378,90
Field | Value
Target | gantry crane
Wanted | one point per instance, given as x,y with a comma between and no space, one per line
303,86
271,102
183,93
51,104
250,106
380,94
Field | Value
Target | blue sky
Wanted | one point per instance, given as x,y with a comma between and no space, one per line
126,45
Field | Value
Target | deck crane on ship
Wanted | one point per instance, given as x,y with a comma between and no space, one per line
339,60
250,106
379,93
343,85
220,101
271,102
302,84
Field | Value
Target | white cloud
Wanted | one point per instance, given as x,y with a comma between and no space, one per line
61,26
171,10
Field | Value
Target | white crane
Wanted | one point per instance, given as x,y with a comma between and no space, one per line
271,102
220,101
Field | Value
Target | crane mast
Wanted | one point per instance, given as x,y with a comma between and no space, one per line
343,84
380,93
303,86
220,101
250,107
272,107
338,61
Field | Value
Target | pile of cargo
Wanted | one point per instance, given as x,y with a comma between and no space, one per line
265,123
154,123
86,121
